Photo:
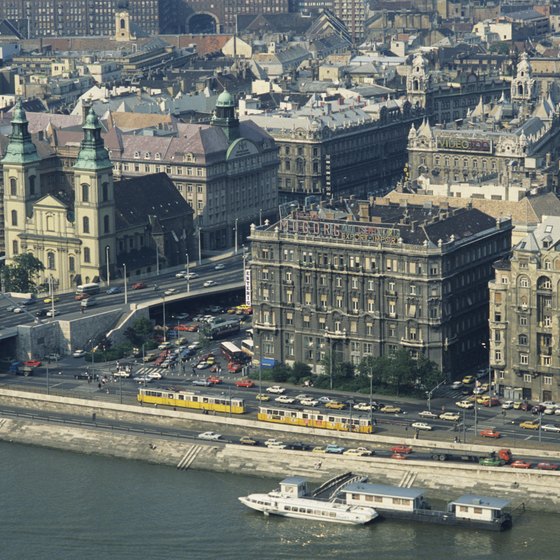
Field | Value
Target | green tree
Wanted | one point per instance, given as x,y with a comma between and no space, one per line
141,330
300,371
281,373
21,275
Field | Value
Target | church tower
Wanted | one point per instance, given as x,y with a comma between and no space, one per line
122,23
523,86
225,117
21,182
94,203
418,82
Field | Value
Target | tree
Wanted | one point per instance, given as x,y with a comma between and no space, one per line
140,331
300,371
21,275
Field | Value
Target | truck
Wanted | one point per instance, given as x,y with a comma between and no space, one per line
492,459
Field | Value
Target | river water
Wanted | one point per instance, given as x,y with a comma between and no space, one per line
64,506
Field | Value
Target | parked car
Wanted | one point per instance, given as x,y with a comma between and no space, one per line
212,436
451,416
276,389
428,414
421,426
490,433
203,365
273,442
333,448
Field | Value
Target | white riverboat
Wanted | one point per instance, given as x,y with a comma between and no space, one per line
292,500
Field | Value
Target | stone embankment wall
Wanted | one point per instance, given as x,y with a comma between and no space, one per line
538,490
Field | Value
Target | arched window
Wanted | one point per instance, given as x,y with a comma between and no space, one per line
544,283
85,224
15,247
87,255
72,264
50,260
32,185
50,222
122,23
13,186
105,192
520,89
106,224
85,193
14,217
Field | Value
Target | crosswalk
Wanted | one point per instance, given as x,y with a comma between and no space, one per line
148,371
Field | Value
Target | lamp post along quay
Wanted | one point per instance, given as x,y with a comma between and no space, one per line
107,250
125,285
188,272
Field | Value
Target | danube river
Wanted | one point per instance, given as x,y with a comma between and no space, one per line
64,506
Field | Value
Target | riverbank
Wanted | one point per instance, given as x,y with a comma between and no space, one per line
538,490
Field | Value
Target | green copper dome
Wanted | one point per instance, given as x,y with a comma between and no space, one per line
225,99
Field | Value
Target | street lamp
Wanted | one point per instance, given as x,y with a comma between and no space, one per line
199,245
164,329
125,285
235,229
107,248
188,277
260,216
431,392
489,373
157,259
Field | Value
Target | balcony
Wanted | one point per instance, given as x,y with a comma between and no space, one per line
265,327
412,343
336,335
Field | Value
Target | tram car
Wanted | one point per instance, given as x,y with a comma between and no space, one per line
190,399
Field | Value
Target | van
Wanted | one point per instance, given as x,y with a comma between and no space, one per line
89,302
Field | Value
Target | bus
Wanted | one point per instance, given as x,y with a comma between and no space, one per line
247,346
189,399
233,353
89,289
219,330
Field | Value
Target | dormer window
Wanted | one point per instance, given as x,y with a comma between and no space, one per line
158,156
147,155
136,155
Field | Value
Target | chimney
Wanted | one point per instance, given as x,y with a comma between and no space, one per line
363,211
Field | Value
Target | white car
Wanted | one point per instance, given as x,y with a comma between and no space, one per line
275,389
143,379
549,410
302,396
421,426
285,399
51,314
324,400
451,416
309,402
465,404
212,436
155,375
428,414
506,405
273,443
550,428
191,275
456,384
358,451
18,310
170,291
182,274
194,345
79,353
209,283
219,267
164,346
366,407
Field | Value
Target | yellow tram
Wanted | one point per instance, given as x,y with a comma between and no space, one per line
316,419
190,399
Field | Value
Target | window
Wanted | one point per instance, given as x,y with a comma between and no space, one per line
50,222
50,260
72,264
85,193
106,224
523,339
32,185
527,378
15,248
392,307
105,192
498,355
85,224
14,218
87,255
547,380
13,186
524,359
523,321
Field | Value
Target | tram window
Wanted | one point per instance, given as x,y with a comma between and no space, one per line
205,400
330,418
194,399
319,417
305,416
181,397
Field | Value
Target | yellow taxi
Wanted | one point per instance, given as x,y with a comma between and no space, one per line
468,379
262,397
335,405
529,425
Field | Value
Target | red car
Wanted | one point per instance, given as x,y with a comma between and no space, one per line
32,363
491,433
520,464
182,328
215,380
138,286
547,466
80,297
234,368
248,383
401,449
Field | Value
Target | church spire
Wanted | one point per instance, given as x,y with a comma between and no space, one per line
21,149
93,154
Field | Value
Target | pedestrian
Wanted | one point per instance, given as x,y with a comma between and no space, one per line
99,386
93,417
406,428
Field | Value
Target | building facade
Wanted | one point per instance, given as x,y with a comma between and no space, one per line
524,312
339,147
368,277
353,13
62,18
